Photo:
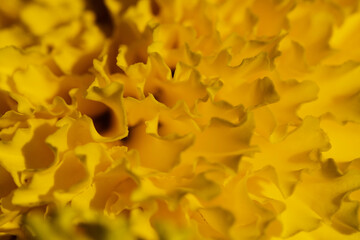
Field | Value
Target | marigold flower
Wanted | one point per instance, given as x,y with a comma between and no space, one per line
179,119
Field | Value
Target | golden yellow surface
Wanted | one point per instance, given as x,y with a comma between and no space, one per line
180,119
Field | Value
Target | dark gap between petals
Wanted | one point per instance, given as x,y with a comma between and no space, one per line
103,121
103,17
155,8
158,94
4,107
92,230
172,69
140,59
160,129
12,237
126,140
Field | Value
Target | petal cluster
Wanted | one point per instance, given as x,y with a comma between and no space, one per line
179,119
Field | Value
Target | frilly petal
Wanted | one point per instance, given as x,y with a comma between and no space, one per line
165,149
301,147
183,119
338,92
111,96
41,18
27,149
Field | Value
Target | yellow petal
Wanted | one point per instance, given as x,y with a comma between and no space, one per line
166,151
36,83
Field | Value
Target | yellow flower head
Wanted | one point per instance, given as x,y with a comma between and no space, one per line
179,119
